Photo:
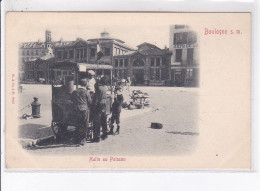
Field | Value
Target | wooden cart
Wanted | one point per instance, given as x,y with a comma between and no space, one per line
63,118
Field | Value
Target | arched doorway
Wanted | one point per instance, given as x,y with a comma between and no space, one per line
138,71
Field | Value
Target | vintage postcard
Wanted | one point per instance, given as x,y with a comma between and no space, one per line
127,91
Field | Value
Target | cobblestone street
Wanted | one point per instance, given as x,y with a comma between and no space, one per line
175,108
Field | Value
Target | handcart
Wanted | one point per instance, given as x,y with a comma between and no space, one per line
64,121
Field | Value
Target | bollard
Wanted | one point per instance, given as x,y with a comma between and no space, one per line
35,108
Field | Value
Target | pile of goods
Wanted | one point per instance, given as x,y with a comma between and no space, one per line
139,100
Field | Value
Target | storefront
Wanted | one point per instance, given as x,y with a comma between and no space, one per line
184,76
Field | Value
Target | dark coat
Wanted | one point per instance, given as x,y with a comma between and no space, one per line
99,98
81,99
117,104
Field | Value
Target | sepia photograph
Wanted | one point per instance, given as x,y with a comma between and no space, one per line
127,90
82,91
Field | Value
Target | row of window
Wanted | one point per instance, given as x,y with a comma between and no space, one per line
155,73
120,51
93,52
81,53
65,54
32,66
25,59
190,55
32,52
185,38
158,73
157,61
121,63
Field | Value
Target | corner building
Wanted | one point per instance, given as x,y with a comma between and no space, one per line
183,44
31,51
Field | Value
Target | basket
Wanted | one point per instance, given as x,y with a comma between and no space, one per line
139,106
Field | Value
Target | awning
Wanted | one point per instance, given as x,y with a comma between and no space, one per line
83,67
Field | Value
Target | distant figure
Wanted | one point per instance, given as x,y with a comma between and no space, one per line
116,110
91,81
123,81
99,110
82,103
128,83
134,80
113,81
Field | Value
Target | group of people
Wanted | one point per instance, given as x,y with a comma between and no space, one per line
89,102
122,82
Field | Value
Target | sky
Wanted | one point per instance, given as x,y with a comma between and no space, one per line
134,29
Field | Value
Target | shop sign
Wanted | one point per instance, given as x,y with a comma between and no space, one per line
192,45
179,45
185,45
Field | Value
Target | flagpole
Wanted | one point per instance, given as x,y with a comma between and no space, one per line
97,57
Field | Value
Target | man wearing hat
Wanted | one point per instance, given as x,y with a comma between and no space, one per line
82,102
99,110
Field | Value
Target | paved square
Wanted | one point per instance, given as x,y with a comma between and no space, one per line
176,108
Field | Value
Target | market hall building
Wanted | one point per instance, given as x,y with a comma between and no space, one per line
100,51
148,65
183,44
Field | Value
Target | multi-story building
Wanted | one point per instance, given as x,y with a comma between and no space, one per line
72,51
185,56
148,65
110,47
93,51
38,71
30,51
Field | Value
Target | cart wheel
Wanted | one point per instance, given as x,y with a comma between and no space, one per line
56,129
61,133
90,132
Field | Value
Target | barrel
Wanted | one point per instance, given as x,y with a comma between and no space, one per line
36,106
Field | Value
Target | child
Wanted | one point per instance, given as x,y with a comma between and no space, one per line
116,110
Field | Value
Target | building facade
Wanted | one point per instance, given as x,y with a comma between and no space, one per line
183,43
38,71
145,65
72,51
30,51
148,65
101,50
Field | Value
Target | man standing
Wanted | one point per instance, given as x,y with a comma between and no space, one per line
82,102
99,110
91,81
128,83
